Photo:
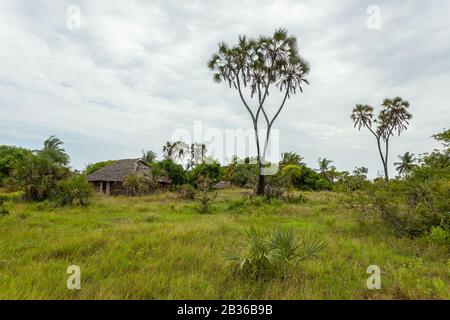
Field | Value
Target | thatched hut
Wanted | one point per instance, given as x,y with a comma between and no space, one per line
110,179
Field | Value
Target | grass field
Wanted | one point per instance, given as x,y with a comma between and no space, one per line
159,247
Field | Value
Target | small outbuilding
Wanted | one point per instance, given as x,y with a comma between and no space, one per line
109,179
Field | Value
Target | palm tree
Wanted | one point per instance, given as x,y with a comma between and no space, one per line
406,164
392,119
261,65
148,156
324,168
53,150
170,149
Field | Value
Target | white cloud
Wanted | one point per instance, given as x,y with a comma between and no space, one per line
136,71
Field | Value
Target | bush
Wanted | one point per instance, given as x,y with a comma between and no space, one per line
136,185
358,181
322,184
174,172
9,158
203,196
439,236
307,179
36,175
241,175
410,207
263,258
187,192
211,171
5,201
75,190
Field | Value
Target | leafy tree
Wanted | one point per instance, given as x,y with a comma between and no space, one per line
406,164
443,137
307,179
288,158
241,174
361,172
352,182
180,151
392,119
174,172
212,171
10,156
261,65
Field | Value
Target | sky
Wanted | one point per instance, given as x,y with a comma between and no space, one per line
111,78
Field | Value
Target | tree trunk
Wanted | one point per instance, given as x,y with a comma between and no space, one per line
383,160
386,174
260,188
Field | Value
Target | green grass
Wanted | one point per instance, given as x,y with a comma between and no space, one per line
159,247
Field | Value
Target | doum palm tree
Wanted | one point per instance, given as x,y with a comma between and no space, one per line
392,119
406,164
261,65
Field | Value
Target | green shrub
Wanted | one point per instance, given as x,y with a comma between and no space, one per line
212,171
6,200
10,156
347,182
203,196
322,184
241,174
37,174
136,185
172,170
187,192
307,179
75,190
262,258
439,236
409,207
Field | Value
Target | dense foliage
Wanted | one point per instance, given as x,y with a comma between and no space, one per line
415,205
10,156
75,190
6,200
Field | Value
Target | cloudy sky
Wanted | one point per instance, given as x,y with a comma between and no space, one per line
132,72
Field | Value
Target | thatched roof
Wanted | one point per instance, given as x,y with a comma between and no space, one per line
119,170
